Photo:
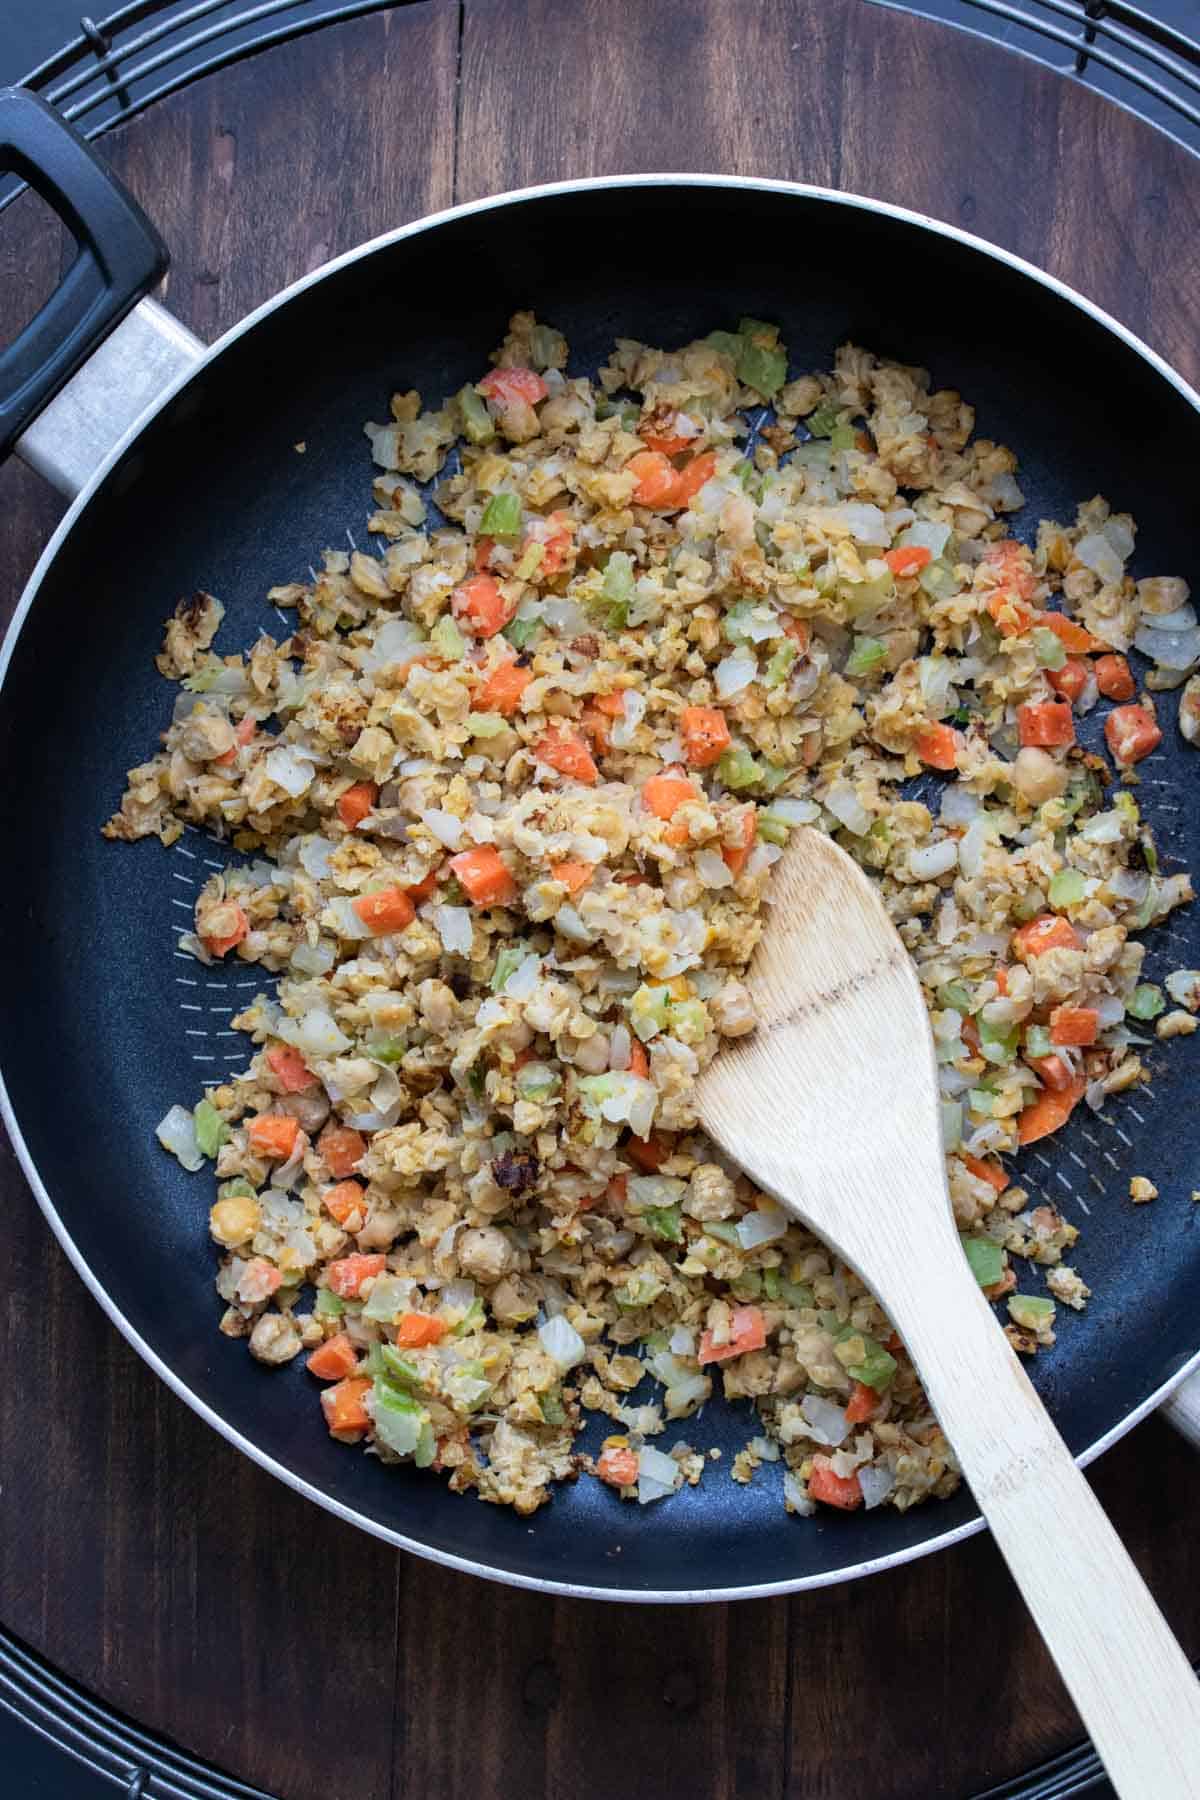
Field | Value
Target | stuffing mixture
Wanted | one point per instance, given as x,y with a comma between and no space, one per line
511,794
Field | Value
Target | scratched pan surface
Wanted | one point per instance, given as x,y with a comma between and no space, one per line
105,1024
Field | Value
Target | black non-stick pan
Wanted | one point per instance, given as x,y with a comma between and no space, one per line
105,1023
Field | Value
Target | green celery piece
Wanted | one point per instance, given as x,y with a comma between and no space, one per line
211,1129
744,471
329,1305
486,725
986,1259
1049,649
795,1293
771,1279
780,665
510,958
773,776
385,1046
552,1407
447,638
1145,1002
738,769
735,624
877,1366
617,586
748,1285
1030,1310
724,1232
981,1102
759,328
998,1043
473,1317
530,562
501,516
426,1448
1068,886
824,419
954,994
843,437
665,1222
727,341
398,1419
398,1367
477,420
521,632
772,830
238,1188
1149,852
1038,1041
952,1119
867,654
764,370
475,1077
640,1290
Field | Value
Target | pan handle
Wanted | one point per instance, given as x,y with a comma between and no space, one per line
61,416
1182,1410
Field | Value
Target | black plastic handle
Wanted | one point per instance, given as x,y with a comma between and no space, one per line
120,257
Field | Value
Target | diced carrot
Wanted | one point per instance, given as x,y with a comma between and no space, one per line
596,727
619,1467
1070,680
483,554
735,855
747,1331
348,1273
1131,733
1075,639
567,753
618,1190
996,1290
938,745
342,1149
507,385
1078,1025
478,604
273,1134
1010,615
969,1032
985,1171
1046,723
1011,558
390,909
424,888
1047,932
798,630
1052,1072
502,690
649,1153
334,1359
345,1414
1049,1111
666,446
574,875
344,1200
909,559
639,1062
842,1491
244,733
1000,977
613,705
231,925
691,479
290,1069
705,735
658,432
1114,678
417,1330
557,538
484,876
663,794
656,479
862,1404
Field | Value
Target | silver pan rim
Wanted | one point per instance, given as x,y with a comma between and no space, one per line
349,1515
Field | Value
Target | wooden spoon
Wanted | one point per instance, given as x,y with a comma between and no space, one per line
831,1105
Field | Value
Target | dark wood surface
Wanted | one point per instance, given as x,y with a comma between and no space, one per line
137,1550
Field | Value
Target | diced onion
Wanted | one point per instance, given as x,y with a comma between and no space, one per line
763,1226
524,978
933,859
395,641
847,808
713,870
733,673
1097,554
454,927
1172,649
796,1494
959,804
177,1133
1182,619
826,1422
633,712
313,959
876,1484
658,1475
927,536
290,771
561,1342
316,1034
314,854
795,812
445,827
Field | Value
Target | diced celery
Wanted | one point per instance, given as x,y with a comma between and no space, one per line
843,437
211,1129
735,626
761,330
1029,905
939,580
998,1042
1145,1002
744,471
521,632
477,420
1068,887
648,1009
537,1081
1149,852
328,1305
552,1407
771,1280
738,769
502,516
640,1290
447,639
426,1448
980,1101
530,561
486,725
779,667
986,1259
618,583
1038,1041
875,1366
385,1046
472,1319
726,341
957,995
476,1075
665,1222
388,1298
951,1124
773,776
795,1293
773,830
1030,1310
748,1285
238,1188
398,1419
762,369
723,1230
1048,648
510,958
823,419
867,654
399,1368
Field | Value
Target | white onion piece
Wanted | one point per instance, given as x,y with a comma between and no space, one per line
620,1048
682,1342
314,854
713,870
1110,1009
658,1475
1130,884
876,1484
734,673
1097,554
176,1132
561,1342
313,959
454,927
1173,649
445,1243
933,859
344,920
445,827
959,804
927,536
290,771
986,943
826,1422
316,1034
766,1225
973,845
1182,619
524,978
394,641
632,714
847,808
565,616
947,922
794,812
796,1495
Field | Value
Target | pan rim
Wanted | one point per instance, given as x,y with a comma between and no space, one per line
178,1386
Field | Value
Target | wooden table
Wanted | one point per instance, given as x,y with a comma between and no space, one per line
137,1550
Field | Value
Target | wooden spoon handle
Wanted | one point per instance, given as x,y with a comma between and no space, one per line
1126,1673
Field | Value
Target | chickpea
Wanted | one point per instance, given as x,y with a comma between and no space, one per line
235,1221
1037,777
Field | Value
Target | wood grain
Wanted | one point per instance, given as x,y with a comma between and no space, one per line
138,1551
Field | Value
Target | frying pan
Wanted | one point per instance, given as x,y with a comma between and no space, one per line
106,1023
